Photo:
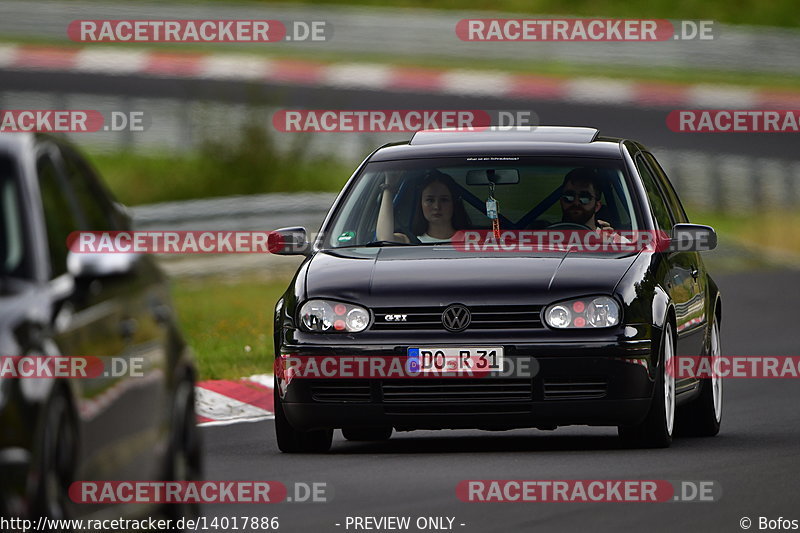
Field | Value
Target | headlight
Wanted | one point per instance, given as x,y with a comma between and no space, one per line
592,312
357,319
559,316
326,317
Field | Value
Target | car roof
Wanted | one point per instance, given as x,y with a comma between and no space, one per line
525,134
518,141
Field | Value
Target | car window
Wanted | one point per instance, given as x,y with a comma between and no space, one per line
657,203
12,242
59,218
529,197
669,191
514,200
94,205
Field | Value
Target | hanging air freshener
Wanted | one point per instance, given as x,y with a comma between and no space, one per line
491,213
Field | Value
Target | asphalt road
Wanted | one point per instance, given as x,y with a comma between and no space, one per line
755,459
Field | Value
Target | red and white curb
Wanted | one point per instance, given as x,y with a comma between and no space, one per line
118,61
222,402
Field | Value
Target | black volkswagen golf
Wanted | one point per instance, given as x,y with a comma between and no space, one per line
506,273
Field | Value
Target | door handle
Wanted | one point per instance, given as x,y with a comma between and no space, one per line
694,272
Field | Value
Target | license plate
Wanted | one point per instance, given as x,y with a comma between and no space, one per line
455,359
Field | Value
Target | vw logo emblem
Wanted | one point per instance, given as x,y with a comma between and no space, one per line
456,318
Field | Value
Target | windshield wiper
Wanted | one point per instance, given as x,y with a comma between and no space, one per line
372,244
386,243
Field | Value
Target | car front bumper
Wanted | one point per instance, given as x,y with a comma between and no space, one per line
600,383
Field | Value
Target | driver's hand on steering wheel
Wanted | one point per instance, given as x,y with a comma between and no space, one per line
608,233
602,225
605,229
401,237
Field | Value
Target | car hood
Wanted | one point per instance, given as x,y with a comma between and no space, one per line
440,275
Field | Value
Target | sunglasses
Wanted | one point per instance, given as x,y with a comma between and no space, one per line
584,198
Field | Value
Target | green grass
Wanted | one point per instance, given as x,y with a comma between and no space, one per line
775,230
228,324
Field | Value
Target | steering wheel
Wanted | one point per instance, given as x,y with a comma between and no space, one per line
568,225
413,238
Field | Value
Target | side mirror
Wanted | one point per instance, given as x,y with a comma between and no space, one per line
289,241
88,265
692,238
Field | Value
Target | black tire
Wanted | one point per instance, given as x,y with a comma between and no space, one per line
367,434
57,453
702,416
185,457
655,431
292,441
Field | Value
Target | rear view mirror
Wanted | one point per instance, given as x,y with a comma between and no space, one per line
500,176
289,241
692,238
100,265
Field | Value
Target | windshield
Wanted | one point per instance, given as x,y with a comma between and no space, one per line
429,201
11,233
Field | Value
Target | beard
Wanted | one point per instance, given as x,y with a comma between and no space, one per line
577,216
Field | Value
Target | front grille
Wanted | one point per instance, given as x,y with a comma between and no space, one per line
341,391
483,317
497,408
568,389
456,390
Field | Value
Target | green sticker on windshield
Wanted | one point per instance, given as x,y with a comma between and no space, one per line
347,236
